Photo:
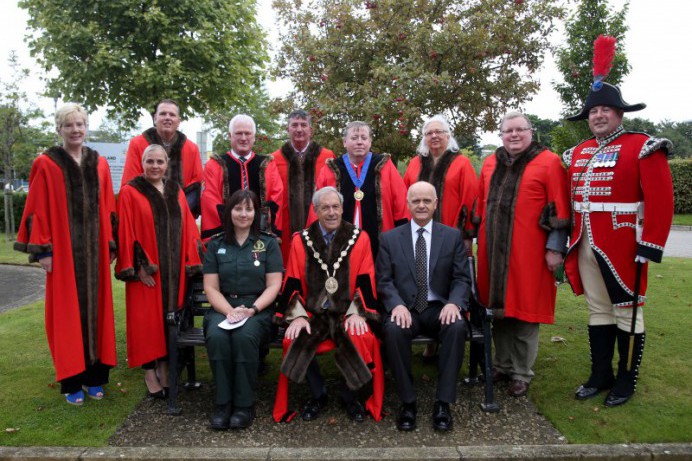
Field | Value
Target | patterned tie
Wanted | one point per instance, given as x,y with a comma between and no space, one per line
421,272
328,238
242,171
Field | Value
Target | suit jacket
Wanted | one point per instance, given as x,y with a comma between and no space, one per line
448,271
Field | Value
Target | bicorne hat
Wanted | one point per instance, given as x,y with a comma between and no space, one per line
602,93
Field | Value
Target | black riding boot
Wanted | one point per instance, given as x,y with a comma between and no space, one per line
626,381
602,345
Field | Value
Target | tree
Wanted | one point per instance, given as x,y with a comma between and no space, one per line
542,129
393,63
680,133
575,62
128,54
112,129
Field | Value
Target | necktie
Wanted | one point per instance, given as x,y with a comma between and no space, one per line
328,238
421,272
243,171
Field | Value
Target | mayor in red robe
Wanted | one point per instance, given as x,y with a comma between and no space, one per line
67,226
158,247
241,168
374,193
184,160
299,162
524,220
440,163
336,306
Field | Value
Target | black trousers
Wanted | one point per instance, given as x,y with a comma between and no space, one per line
93,375
397,342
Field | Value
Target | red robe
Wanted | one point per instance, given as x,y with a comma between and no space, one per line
512,272
358,357
223,176
456,184
298,177
640,174
158,233
184,164
59,218
384,204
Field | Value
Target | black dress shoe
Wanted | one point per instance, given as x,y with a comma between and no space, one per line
584,392
313,407
355,411
406,421
242,417
442,417
220,419
614,400
518,388
158,394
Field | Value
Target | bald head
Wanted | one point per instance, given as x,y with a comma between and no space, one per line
422,202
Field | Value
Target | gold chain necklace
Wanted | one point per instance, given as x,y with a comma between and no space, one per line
331,285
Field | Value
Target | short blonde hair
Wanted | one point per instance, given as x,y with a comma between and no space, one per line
153,148
67,110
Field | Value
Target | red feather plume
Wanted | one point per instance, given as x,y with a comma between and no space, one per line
603,55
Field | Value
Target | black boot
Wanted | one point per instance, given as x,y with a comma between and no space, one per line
626,382
602,345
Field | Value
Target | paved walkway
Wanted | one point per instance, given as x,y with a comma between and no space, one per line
20,285
679,244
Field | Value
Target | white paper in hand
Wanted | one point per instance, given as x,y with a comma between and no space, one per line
226,325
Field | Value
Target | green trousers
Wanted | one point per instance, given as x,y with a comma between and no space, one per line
234,356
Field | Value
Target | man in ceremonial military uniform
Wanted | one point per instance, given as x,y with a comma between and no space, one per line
622,199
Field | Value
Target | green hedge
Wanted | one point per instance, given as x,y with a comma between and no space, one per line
18,201
682,184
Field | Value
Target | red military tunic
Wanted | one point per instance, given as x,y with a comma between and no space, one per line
184,163
298,175
512,272
624,170
158,233
456,185
69,212
223,175
358,357
384,204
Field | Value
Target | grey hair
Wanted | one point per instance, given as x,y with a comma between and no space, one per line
320,192
153,148
66,110
512,114
408,192
242,118
452,144
356,124
301,115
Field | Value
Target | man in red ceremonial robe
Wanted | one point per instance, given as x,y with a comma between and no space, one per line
329,302
523,210
157,235
440,163
67,226
299,162
241,168
185,162
622,194
374,193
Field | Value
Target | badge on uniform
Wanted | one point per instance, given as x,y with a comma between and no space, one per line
221,251
605,160
257,248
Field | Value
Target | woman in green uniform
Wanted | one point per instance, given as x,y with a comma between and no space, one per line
242,276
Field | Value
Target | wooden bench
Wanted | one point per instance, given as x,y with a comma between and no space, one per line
184,336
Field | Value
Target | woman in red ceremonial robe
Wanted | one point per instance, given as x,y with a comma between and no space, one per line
440,163
67,227
159,244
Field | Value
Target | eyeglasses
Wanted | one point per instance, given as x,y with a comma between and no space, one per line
515,130
435,133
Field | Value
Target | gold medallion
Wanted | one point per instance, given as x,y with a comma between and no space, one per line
331,285
358,195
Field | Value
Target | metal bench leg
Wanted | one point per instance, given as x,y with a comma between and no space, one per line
173,371
489,405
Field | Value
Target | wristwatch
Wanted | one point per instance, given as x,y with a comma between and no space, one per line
255,309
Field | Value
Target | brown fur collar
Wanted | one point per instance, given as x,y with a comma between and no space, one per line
435,174
502,196
301,183
175,152
327,323
167,224
82,189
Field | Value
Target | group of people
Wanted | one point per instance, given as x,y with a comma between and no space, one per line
348,254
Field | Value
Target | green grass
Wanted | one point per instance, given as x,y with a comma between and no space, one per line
660,411
682,219
8,255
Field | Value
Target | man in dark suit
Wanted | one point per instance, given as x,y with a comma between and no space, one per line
424,284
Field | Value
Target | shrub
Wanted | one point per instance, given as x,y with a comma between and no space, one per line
682,185
19,199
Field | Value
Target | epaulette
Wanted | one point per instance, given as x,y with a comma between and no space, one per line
567,156
221,234
654,144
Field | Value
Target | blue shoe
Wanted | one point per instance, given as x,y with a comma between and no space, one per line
95,392
75,398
